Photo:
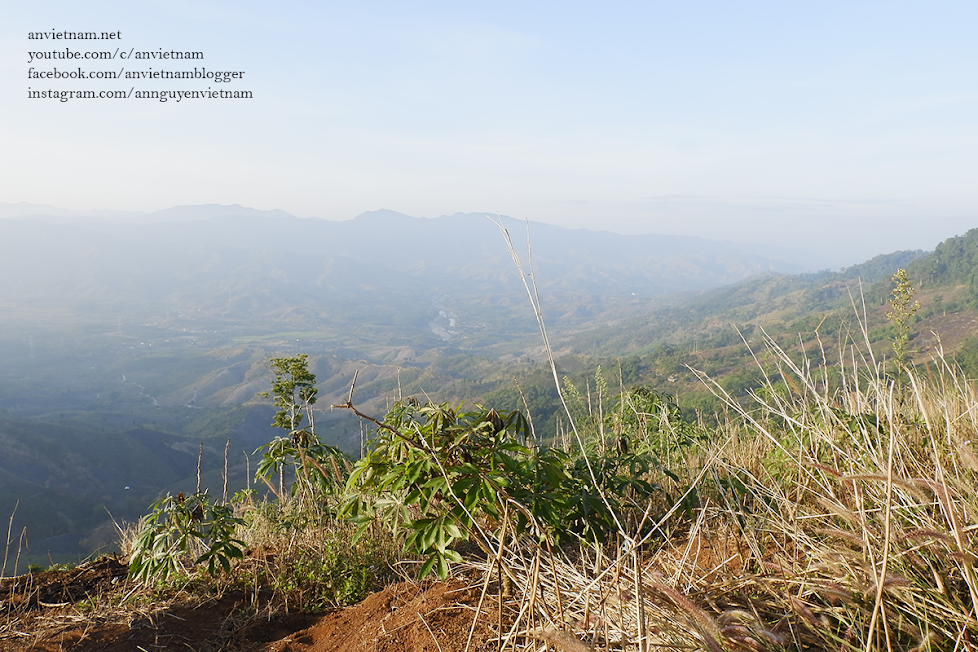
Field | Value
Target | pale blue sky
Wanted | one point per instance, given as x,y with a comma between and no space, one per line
849,128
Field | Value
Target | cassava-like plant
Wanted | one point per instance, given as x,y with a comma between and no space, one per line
185,530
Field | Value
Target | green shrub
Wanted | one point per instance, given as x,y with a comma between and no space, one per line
181,528
443,475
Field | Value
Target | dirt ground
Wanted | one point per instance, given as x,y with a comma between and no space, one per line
80,610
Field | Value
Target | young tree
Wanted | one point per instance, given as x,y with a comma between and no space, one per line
294,389
321,467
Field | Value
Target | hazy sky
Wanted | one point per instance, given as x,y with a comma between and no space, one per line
849,128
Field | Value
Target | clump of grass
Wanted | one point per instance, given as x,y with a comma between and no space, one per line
829,517
297,555
309,559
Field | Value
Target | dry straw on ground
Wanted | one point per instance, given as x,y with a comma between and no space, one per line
850,526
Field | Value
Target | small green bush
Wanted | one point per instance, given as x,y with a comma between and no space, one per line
185,527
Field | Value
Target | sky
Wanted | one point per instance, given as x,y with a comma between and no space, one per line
843,128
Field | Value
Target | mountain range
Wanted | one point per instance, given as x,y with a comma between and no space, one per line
220,254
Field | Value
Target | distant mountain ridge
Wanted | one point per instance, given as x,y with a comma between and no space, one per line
233,261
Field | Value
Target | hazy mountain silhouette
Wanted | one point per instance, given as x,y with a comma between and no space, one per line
215,257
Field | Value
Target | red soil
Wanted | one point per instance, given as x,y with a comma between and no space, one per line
54,611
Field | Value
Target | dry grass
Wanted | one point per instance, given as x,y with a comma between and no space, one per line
309,559
829,518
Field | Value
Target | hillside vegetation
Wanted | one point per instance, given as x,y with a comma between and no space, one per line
138,385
